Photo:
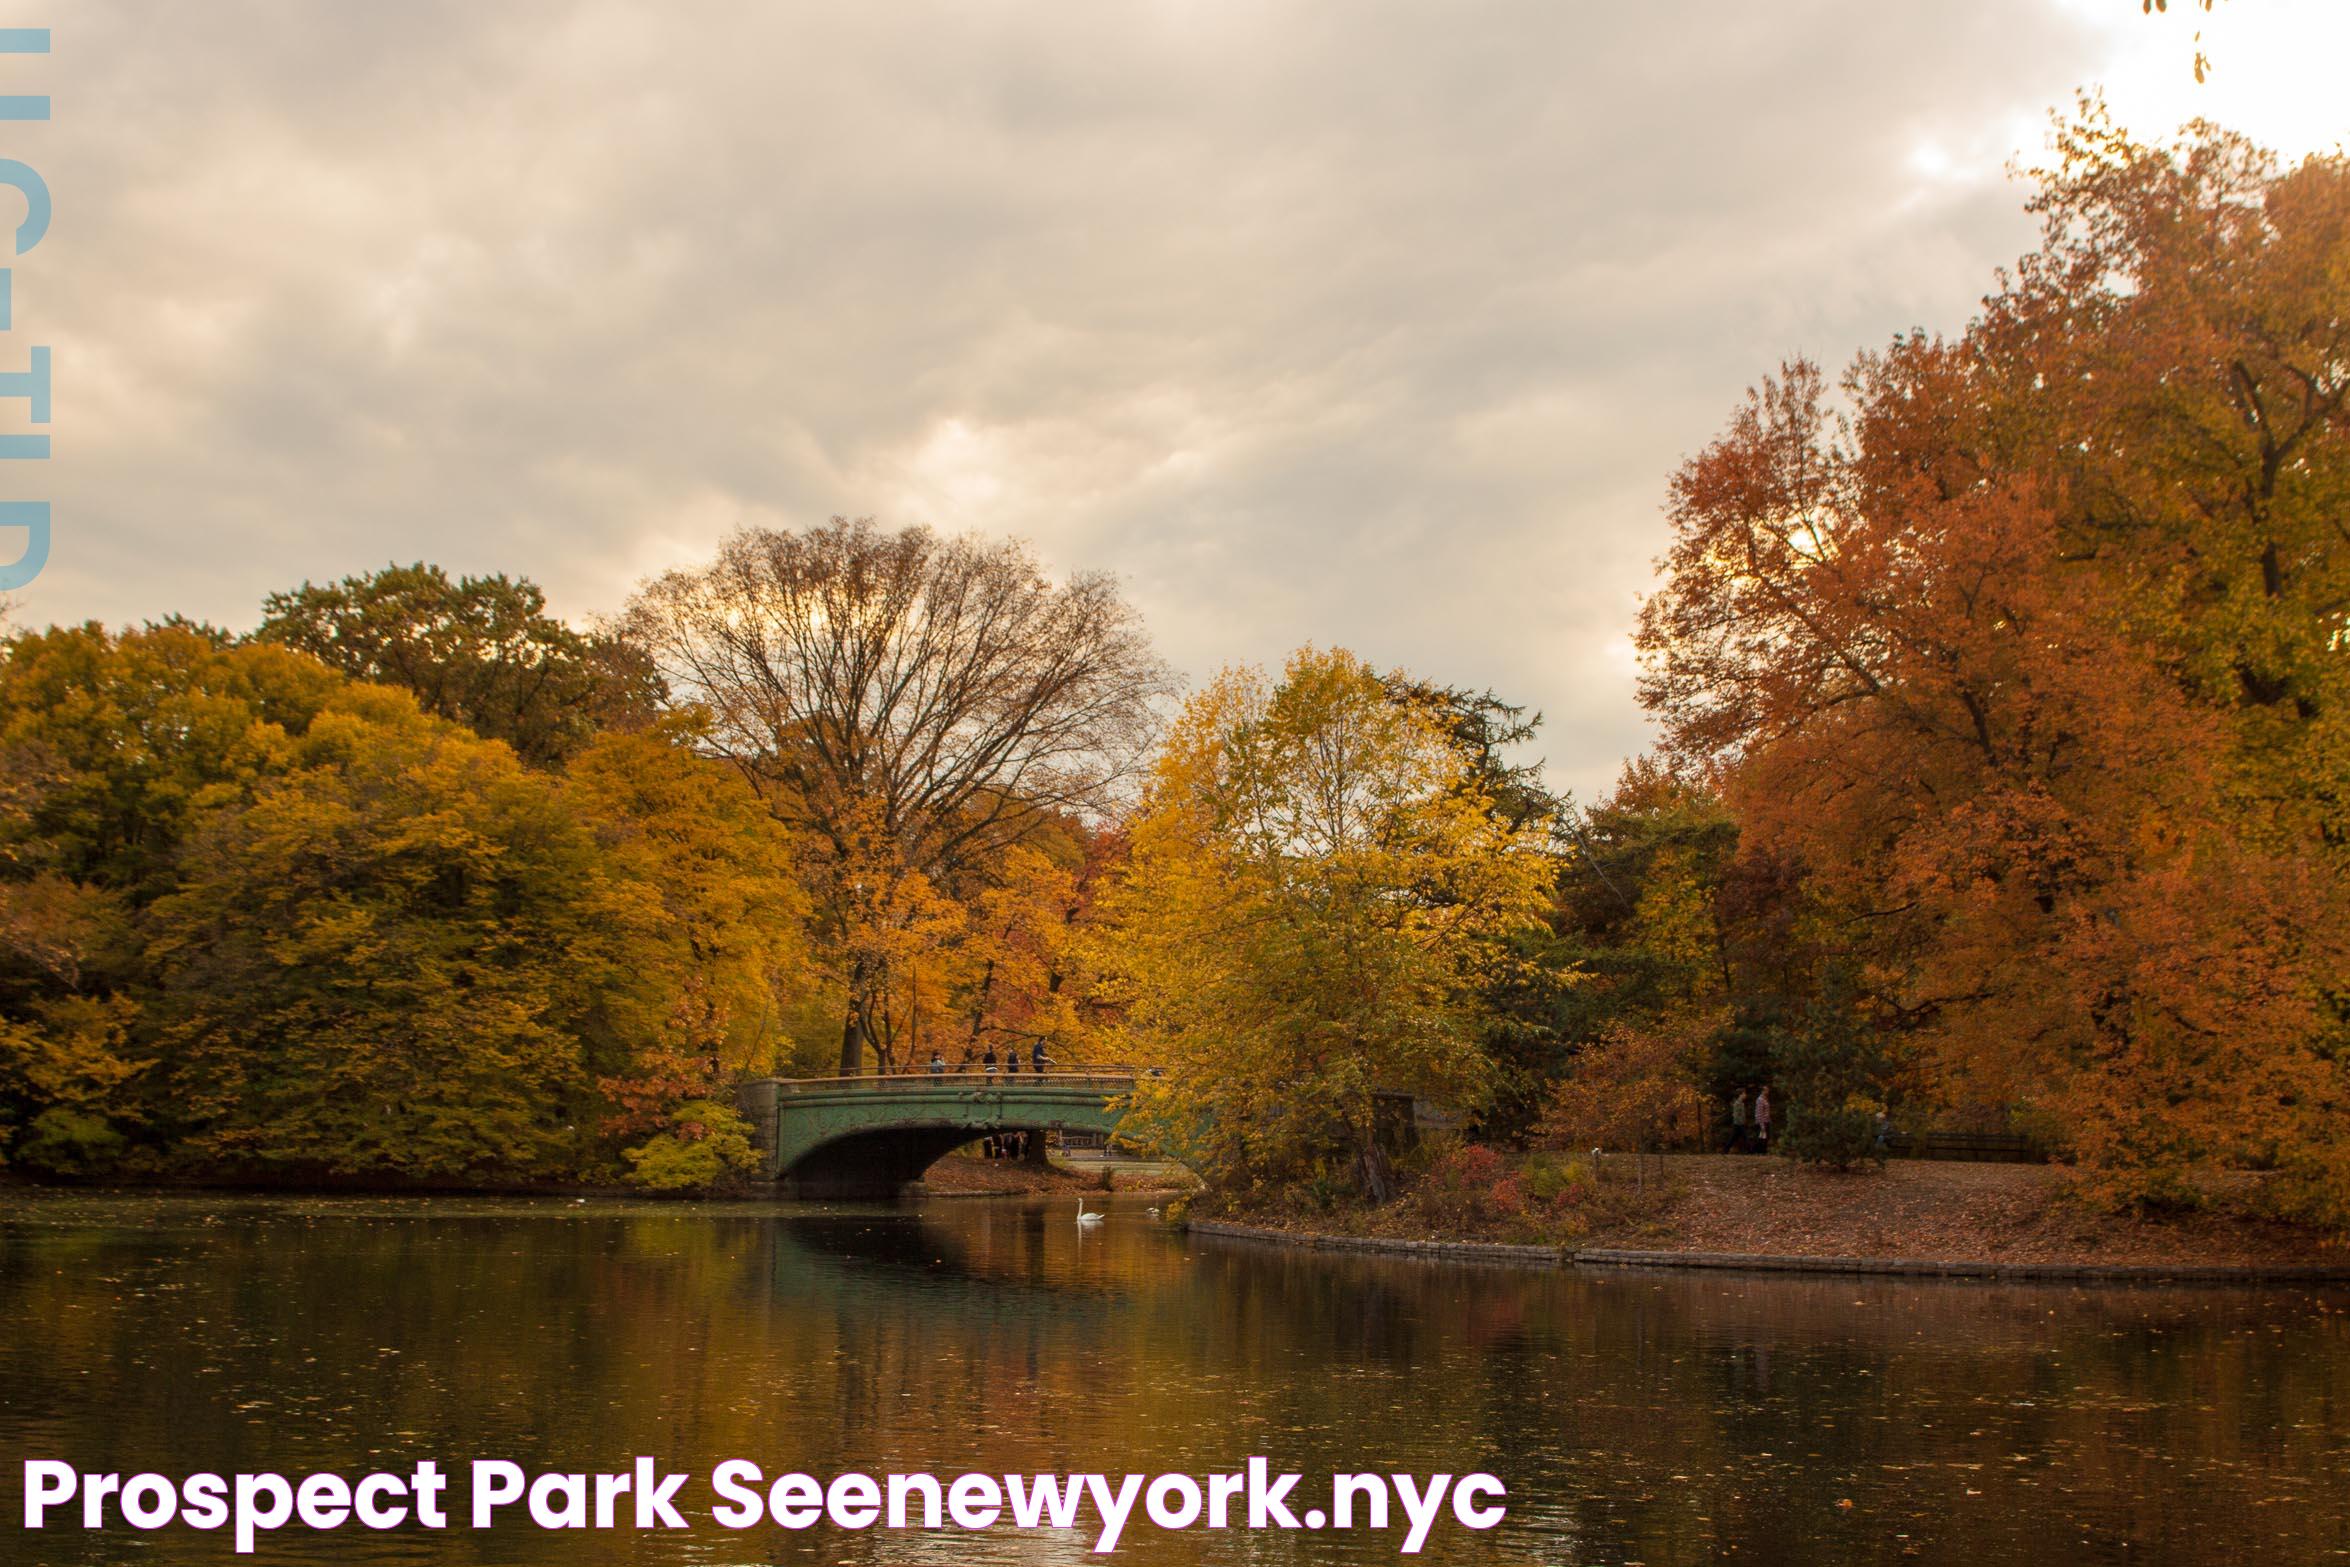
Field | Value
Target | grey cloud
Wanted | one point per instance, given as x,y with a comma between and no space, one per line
1379,325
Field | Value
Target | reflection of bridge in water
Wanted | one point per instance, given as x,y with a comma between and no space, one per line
869,1136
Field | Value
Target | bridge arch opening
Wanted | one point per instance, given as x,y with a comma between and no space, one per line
877,1163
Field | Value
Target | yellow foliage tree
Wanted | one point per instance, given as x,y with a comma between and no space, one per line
713,882
1026,980
1317,879
379,963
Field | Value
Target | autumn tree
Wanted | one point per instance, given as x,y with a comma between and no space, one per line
380,962
123,737
2176,361
1531,982
256,917
915,704
2028,659
1634,1090
480,651
109,747
1317,879
1027,976
888,923
723,934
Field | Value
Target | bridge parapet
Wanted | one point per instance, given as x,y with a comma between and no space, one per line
1112,1079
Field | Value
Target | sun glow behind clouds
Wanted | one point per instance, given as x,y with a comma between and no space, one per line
2274,76
2276,68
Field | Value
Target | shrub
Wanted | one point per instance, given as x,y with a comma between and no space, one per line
705,1144
1839,1135
1559,1183
1457,1187
70,1142
1468,1189
1328,1185
1632,1089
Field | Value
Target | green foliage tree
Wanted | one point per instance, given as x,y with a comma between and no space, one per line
479,651
1836,1074
68,1142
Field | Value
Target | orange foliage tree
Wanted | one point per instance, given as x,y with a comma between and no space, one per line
2031,659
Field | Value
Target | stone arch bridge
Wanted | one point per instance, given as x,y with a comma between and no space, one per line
869,1136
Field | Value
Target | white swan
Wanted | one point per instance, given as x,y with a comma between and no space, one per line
1084,1218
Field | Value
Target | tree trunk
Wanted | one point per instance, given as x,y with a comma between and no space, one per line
854,1037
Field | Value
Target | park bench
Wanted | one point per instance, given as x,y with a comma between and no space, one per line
1990,1147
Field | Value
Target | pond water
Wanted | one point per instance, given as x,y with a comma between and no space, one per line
1655,1418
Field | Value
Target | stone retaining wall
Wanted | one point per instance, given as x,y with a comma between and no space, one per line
1905,1267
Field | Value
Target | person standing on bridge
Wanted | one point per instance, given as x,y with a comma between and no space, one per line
1037,1059
938,1064
987,1062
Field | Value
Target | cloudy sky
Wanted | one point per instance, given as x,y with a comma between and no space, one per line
1367,324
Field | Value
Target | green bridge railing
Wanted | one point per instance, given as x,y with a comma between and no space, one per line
1108,1079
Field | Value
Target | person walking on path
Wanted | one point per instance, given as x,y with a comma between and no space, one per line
1741,1119
1762,1120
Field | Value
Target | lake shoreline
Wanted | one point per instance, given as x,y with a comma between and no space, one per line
1912,1219
1604,1257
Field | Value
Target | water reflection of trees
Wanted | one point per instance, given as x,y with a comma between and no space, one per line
1651,1417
